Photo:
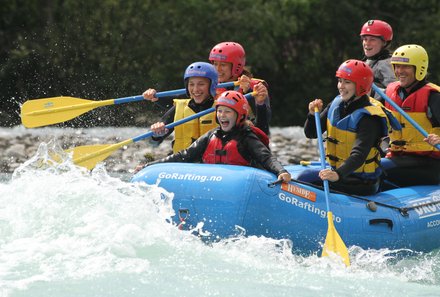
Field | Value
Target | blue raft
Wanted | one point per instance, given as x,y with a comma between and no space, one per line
235,199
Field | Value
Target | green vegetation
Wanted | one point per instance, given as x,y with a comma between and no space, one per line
108,49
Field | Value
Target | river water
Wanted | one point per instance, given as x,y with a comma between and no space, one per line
68,232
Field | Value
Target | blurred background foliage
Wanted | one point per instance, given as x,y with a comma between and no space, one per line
109,49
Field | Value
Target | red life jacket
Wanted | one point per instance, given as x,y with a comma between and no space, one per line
215,153
260,133
409,140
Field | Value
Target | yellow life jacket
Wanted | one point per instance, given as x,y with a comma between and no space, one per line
410,140
341,136
187,133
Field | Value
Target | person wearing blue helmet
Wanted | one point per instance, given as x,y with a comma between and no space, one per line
201,81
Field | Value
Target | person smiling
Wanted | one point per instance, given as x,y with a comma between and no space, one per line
200,80
376,37
413,159
229,60
355,124
235,142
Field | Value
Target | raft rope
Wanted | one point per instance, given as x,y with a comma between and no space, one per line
403,210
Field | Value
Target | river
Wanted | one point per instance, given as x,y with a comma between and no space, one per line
65,231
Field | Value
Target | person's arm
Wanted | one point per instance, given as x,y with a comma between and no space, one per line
263,116
310,125
167,118
368,134
192,154
260,153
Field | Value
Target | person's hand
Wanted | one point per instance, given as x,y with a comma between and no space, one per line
432,139
139,168
262,93
315,103
329,174
159,129
285,177
150,95
245,83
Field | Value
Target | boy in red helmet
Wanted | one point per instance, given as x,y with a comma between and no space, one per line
376,37
229,59
234,142
355,124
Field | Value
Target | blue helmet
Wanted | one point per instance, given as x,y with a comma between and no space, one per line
202,69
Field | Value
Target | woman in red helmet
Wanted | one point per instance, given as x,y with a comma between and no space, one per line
376,36
234,142
229,59
355,124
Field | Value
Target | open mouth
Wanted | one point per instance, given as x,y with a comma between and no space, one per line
224,123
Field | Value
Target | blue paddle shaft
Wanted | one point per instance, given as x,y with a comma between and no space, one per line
182,121
164,94
322,157
402,112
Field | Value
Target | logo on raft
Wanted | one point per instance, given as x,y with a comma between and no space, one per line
306,206
189,176
298,191
425,211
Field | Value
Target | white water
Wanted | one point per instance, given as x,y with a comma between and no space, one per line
67,232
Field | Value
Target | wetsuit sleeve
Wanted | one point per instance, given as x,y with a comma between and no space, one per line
167,118
261,154
264,114
310,125
368,135
192,154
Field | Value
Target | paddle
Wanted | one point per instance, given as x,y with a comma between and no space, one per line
49,111
89,155
403,113
333,242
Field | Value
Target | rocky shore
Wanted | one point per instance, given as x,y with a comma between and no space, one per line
19,144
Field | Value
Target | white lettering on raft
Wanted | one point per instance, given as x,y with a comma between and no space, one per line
306,206
427,210
432,224
190,176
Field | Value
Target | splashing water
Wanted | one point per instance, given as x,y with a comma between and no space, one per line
65,231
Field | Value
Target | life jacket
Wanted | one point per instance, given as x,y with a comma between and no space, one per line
216,153
409,139
260,133
187,133
341,136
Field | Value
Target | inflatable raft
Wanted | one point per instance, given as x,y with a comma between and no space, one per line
231,200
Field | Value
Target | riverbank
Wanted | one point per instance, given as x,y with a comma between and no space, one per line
18,144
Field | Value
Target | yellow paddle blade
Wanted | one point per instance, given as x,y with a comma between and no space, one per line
333,242
49,111
89,155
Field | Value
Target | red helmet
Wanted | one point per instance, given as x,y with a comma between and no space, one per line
359,73
231,52
237,102
377,28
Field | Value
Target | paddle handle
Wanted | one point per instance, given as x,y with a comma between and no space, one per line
402,112
322,155
177,92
